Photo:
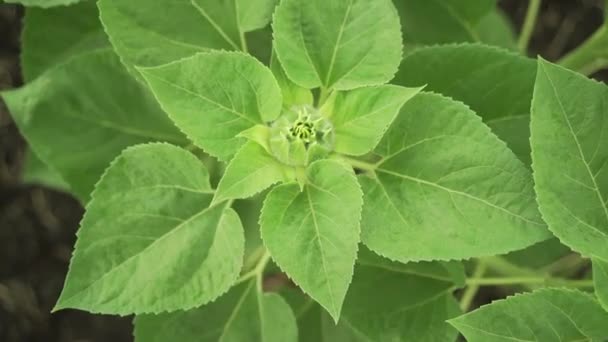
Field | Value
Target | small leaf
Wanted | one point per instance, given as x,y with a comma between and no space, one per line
255,14
539,255
251,170
293,94
313,234
50,36
445,177
214,96
470,73
78,133
543,315
341,44
147,34
570,157
148,243
361,116
600,280
242,314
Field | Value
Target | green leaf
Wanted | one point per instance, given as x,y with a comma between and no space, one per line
242,314
313,234
361,116
495,28
496,83
445,177
148,243
293,94
214,96
543,315
50,36
341,44
389,301
251,170
37,172
255,14
42,3
147,34
600,280
78,133
570,154
539,255
427,22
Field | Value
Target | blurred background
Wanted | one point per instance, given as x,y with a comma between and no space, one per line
38,225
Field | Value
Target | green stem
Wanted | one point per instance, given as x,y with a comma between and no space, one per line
528,27
244,42
471,290
257,272
359,164
591,56
547,281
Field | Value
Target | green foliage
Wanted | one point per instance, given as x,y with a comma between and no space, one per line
313,233
150,223
249,175
446,178
43,3
544,315
337,44
568,121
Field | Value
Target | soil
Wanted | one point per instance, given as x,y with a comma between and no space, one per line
38,225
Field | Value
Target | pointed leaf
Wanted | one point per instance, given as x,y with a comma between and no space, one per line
148,243
361,116
570,157
313,234
242,314
214,96
543,315
497,84
341,44
50,36
37,172
78,133
251,170
600,280
147,34
255,14
445,177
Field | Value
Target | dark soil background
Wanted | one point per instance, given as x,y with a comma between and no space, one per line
38,225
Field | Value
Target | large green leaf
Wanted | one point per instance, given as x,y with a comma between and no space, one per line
445,177
427,22
570,155
251,170
544,315
312,234
214,96
149,34
242,314
50,36
496,83
255,14
78,133
340,44
389,301
361,116
42,3
600,280
148,242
